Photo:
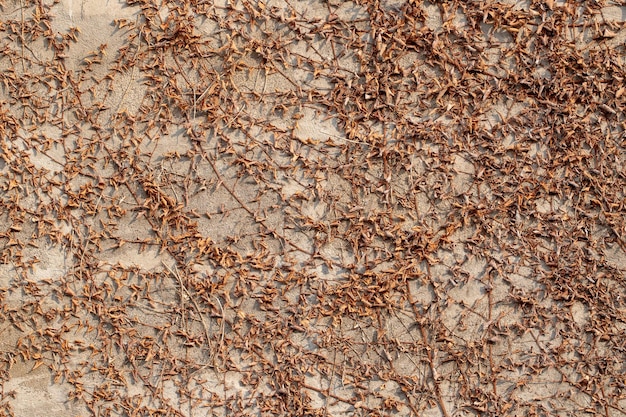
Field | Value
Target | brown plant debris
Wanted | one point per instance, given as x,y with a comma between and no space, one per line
314,208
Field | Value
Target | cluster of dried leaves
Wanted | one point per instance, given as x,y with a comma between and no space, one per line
316,208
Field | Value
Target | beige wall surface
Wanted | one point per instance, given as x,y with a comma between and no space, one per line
312,208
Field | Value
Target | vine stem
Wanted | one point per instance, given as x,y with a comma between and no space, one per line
429,354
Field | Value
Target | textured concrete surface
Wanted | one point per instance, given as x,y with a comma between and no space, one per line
261,270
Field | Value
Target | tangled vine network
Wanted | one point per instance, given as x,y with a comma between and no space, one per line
314,207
